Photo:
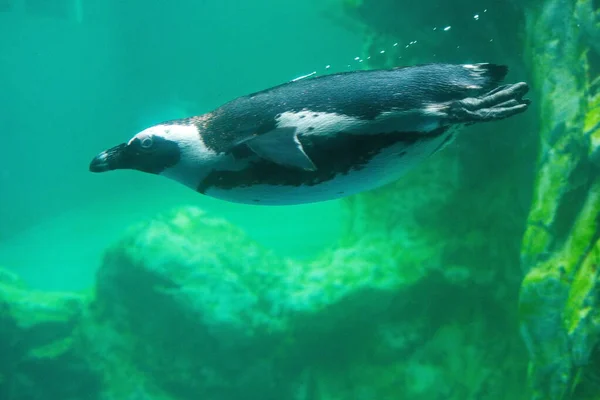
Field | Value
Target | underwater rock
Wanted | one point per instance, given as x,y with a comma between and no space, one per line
195,305
188,306
559,300
197,308
40,357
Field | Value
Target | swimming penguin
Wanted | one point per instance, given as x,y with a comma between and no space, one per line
321,138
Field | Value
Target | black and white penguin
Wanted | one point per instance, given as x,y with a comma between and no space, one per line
321,138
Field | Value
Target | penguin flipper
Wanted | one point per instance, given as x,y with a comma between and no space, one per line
282,146
502,102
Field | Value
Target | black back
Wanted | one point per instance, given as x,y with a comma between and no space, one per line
361,94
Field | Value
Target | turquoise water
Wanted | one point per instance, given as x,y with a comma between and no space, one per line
475,276
77,80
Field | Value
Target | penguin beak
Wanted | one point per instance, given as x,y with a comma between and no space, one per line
110,159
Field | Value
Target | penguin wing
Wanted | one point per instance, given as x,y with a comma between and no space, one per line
281,146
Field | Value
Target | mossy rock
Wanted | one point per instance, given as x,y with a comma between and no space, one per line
41,358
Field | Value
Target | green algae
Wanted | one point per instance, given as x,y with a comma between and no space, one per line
559,294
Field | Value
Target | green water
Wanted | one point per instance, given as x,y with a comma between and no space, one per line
74,82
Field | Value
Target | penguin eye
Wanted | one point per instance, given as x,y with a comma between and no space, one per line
147,142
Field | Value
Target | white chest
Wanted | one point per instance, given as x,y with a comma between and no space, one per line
386,167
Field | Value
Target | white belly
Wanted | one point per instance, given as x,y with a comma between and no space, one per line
384,168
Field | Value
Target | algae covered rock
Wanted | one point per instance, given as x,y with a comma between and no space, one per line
39,354
193,302
201,265
559,298
188,306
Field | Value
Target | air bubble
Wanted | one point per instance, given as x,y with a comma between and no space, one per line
446,29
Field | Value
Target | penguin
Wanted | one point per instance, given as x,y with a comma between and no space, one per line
322,137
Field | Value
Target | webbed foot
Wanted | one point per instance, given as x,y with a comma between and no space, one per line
502,102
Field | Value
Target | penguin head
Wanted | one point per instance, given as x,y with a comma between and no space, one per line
173,150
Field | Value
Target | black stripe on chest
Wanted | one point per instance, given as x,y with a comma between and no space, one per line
333,155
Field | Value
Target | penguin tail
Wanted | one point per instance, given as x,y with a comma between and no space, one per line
491,74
